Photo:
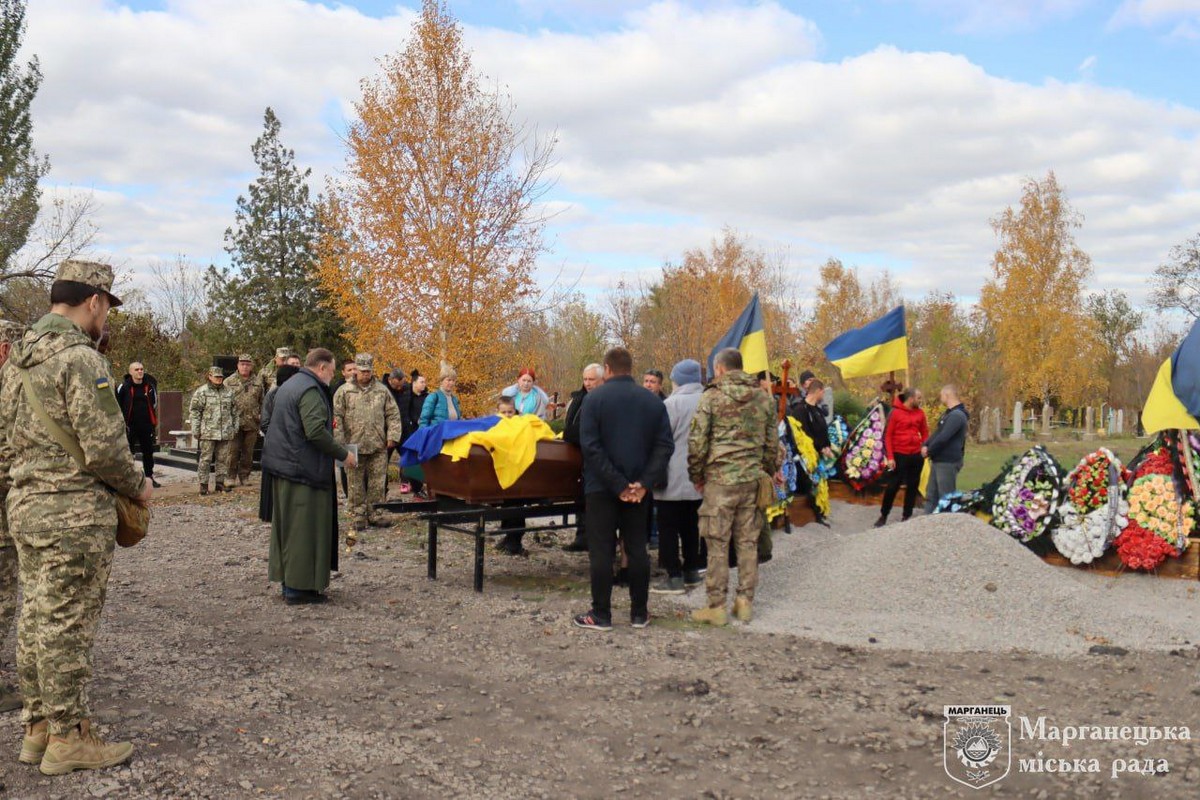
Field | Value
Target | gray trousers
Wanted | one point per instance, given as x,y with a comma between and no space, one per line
943,480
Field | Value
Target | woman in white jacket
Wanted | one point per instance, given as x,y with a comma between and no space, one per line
678,505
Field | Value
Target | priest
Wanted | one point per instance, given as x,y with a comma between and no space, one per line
299,453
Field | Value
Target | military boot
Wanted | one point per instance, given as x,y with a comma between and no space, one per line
82,749
220,487
711,616
743,609
33,746
204,488
10,698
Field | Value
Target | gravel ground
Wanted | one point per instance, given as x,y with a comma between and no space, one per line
405,688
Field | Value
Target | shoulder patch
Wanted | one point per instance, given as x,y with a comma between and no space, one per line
101,383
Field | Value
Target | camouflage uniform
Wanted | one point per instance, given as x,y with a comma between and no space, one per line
248,400
10,332
214,423
731,444
368,417
63,519
266,375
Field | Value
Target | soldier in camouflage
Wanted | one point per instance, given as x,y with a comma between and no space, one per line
10,698
266,375
732,443
61,512
248,400
214,423
365,414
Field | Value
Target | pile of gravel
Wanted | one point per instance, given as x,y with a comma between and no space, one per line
950,582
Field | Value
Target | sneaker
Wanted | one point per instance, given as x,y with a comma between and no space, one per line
33,746
303,597
592,622
155,483
669,586
879,523
693,578
640,621
906,518
10,699
82,749
711,616
743,609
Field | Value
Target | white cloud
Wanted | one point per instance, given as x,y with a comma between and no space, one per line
698,116
1181,17
1001,15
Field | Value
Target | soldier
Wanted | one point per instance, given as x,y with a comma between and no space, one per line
10,698
365,414
248,400
266,375
57,396
731,445
214,424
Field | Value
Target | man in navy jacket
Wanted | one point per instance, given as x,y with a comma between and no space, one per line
626,441
945,449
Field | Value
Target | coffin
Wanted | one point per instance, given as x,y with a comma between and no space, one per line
554,475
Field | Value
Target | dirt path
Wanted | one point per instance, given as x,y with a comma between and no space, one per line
406,688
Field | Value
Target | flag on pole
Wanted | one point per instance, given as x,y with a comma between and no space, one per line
877,347
748,335
1174,400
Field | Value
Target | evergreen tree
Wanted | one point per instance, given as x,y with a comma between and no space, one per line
270,296
20,167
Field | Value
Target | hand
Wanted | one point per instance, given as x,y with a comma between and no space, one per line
924,452
827,452
891,463
699,486
351,460
391,444
777,478
143,499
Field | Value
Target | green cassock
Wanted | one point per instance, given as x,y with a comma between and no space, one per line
304,534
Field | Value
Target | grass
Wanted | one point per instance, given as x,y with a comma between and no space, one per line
983,461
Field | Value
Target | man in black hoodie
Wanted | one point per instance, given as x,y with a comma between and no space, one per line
138,398
945,449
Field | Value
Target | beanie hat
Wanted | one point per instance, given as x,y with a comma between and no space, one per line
685,372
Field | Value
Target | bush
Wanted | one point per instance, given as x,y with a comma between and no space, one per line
849,408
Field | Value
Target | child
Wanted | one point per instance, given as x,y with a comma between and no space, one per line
506,407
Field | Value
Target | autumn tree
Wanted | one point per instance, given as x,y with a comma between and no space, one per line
433,227
1116,322
560,342
1033,303
1176,284
270,295
20,166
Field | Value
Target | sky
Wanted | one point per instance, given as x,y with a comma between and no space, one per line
886,133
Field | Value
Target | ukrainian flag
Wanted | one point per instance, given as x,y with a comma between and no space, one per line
877,347
748,335
1174,400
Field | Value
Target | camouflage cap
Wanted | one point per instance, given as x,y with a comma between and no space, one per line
283,352
10,331
246,357
90,273
216,372
365,361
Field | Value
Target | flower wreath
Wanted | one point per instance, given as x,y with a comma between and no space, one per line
1096,507
839,432
960,503
1160,518
862,459
1027,498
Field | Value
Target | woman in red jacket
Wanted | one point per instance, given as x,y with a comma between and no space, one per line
907,430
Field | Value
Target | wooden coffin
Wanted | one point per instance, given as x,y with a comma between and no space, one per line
554,475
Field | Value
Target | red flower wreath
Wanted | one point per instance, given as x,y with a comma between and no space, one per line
1137,547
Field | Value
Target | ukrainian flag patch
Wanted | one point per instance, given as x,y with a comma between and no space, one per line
101,383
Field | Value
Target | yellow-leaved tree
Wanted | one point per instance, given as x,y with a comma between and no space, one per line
1033,303
431,230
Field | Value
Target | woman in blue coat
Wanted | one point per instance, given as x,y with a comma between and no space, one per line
442,404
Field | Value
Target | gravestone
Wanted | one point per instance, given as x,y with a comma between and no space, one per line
1089,423
1017,421
996,423
985,426
1046,416
1120,421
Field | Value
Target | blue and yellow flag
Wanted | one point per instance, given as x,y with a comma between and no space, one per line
877,347
1174,400
747,335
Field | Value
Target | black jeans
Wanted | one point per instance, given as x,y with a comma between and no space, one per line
907,471
679,525
143,437
605,516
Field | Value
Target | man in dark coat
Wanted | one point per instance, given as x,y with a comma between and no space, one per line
138,397
945,449
626,441
593,376
299,453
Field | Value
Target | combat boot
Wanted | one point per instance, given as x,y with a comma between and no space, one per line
204,488
743,609
33,746
711,616
82,749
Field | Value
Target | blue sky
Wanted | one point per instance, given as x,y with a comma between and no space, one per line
885,133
